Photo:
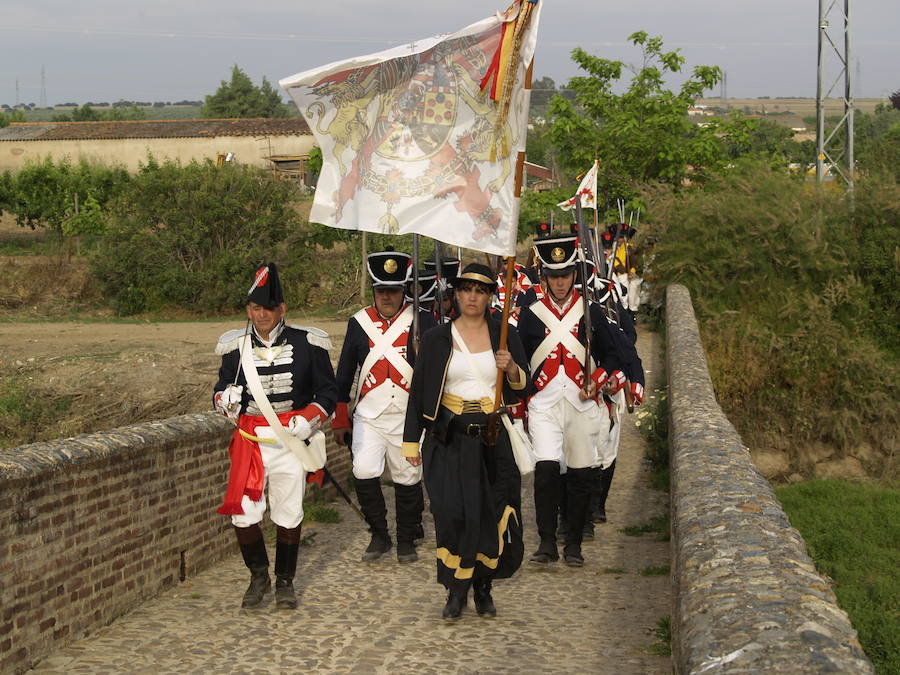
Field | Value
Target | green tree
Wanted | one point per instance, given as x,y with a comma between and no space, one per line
185,236
13,116
240,98
43,193
643,134
542,91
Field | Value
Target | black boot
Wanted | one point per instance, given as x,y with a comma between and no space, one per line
420,508
579,488
409,519
587,532
546,503
594,503
253,549
371,500
484,603
606,476
563,526
456,600
286,549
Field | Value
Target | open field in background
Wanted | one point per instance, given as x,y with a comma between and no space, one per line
170,112
802,107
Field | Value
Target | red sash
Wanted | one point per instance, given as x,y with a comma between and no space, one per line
247,475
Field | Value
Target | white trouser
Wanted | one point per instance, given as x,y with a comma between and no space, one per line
608,441
634,293
379,438
562,433
284,482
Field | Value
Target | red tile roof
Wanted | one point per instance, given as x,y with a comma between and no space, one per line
58,131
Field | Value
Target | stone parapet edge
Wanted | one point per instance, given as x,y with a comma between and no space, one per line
30,461
748,597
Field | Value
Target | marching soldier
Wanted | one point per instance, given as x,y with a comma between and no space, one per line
378,344
444,305
565,421
277,384
629,397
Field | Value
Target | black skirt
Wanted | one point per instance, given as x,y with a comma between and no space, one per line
475,495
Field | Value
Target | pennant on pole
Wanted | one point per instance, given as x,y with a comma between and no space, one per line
411,143
587,191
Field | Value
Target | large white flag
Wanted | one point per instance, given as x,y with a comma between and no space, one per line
587,191
410,143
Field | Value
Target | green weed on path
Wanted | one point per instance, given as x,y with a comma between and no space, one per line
852,531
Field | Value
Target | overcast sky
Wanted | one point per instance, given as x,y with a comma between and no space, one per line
169,50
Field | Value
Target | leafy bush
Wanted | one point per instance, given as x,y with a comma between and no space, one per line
793,316
43,193
189,236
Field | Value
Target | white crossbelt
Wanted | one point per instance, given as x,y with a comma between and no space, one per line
311,453
560,332
383,345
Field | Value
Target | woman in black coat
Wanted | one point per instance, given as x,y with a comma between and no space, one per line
474,487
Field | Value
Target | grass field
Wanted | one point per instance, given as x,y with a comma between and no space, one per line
802,107
852,531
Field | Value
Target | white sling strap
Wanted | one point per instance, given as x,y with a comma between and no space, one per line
560,332
311,456
383,345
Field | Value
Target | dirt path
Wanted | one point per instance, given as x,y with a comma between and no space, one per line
110,374
383,617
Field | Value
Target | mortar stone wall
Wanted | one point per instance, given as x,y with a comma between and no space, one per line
91,526
748,598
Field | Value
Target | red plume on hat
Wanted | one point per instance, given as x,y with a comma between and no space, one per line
266,289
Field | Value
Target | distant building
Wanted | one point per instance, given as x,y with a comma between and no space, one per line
700,111
252,141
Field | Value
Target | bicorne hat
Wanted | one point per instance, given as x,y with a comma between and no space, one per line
266,289
389,269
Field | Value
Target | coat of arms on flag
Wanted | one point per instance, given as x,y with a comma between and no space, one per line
411,144
587,191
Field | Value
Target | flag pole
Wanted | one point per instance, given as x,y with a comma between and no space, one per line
511,261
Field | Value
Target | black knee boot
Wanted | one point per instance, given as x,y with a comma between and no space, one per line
456,600
420,509
253,549
606,476
546,503
563,525
287,546
484,603
409,518
579,492
371,501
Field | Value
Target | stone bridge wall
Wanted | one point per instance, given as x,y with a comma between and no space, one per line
91,526
747,597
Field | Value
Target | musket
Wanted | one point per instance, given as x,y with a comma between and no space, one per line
582,256
417,335
439,273
345,496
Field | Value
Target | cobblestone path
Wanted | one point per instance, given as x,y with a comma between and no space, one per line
382,617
